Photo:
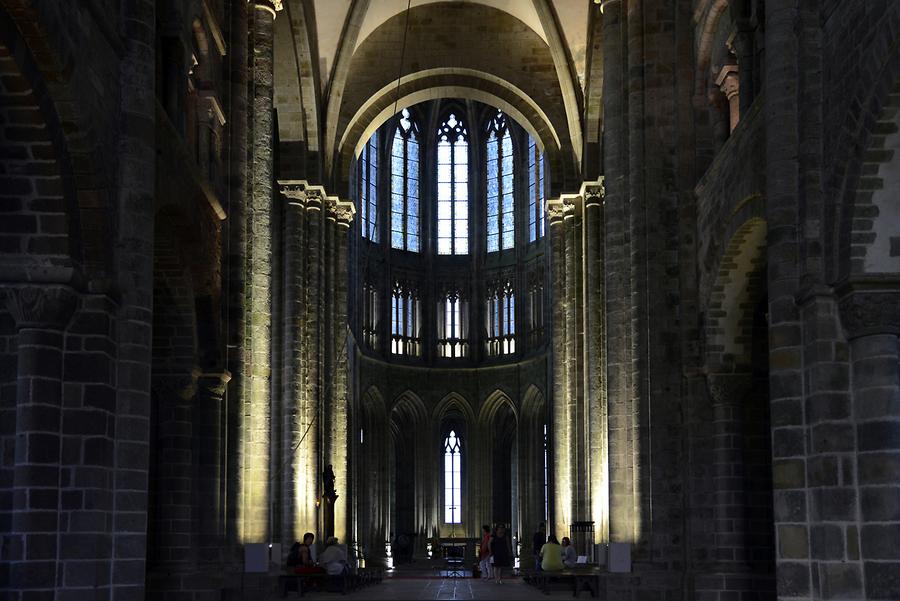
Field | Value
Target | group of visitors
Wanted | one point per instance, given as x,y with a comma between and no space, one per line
332,560
549,555
495,552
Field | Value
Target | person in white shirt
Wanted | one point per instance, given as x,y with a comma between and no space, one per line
569,557
334,558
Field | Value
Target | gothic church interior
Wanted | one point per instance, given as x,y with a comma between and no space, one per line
389,270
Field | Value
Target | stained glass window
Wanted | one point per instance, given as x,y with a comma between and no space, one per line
453,188
405,185
535,191
452,479
368,189
500,205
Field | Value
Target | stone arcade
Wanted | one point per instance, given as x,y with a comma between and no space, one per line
627,267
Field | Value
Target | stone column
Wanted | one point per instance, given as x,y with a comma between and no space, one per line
561,501
295,515
594,357
311,408
254,514
33,545
136,177
729,82
175,545
340,431
210,466
871,319
793,566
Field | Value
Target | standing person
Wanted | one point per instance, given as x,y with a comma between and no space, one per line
484,553
540,537
501,553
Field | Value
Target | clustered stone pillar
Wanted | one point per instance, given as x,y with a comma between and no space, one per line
579,410
256,394
32,549
209,466
315,428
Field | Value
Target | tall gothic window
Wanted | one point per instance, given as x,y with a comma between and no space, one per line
405,185
404,322
535,191
453,188
546,479
500,213
501,318
368,189
370,315
452,479
452,328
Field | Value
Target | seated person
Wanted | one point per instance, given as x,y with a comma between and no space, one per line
551,555
300,557
569,557
334,558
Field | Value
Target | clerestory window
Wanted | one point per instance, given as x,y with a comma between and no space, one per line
535,191
368,189
405,185
500,205
453,188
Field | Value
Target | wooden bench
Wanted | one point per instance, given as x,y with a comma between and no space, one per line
578,579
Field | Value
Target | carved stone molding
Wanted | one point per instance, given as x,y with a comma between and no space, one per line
271,6
344,211
214,384
555,209
869,310
46,307
604,4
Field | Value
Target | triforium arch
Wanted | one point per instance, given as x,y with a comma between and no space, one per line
373,460
454,413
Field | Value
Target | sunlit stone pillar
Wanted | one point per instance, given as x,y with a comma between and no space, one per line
729,82
294,509
560,441
311,407
339,447
594,358
256,410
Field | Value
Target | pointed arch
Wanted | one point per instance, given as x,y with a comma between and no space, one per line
493,404
409,404
453,402
533,403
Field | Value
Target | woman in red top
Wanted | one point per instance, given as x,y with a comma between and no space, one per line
484,553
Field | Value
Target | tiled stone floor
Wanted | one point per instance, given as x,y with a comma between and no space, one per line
399,589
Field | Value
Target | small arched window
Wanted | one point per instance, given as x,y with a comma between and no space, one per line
404,321
452,325
501,321
453,187
500,205
535,191
452,479
368,189
405,185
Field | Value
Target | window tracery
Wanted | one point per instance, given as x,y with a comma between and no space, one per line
501,319
535,191
404,321
452,479
368,189
405,185
500,199
453,187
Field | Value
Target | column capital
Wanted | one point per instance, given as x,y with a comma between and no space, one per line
593,192
729,81
869,305
556,209
270,6
604,4
214,382
40,306
344,211
181,383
